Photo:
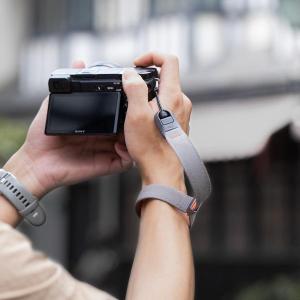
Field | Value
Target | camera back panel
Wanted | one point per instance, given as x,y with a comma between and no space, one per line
83,113
90,101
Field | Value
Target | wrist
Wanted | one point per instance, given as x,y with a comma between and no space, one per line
22,167
159,211
172,177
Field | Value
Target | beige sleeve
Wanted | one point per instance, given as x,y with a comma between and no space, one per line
26,274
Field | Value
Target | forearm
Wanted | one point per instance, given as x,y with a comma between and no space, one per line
21,167
163,267
8,214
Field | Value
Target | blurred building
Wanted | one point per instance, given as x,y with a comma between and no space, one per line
240,64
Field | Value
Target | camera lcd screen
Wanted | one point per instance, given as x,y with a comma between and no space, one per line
83,113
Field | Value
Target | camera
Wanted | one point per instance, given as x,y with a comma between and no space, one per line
91,101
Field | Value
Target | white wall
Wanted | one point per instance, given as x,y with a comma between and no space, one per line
14,16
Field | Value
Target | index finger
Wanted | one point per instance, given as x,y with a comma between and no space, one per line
169,74
78,64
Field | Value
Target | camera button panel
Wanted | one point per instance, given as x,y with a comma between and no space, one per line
110,88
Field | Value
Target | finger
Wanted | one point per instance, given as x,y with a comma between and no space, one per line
78,64
169,74
122,151
80,140
136,91
187,110
125,161
41,115
154,106
187,105
121,138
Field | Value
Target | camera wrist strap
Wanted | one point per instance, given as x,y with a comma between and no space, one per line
197,178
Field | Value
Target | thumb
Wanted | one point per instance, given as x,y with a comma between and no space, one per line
136,91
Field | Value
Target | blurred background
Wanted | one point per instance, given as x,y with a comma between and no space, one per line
240,65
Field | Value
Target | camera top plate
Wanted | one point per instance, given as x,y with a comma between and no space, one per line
98,78
103,71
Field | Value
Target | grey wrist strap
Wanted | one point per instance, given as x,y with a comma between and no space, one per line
26,204
181,201
199,186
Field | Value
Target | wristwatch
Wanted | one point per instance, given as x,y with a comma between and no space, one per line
26,204
197,178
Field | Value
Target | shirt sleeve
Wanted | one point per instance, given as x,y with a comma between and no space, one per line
26,274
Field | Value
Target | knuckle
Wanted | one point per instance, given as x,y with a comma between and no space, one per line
173,58
188,103
153,53
133,119
138,117
135,85
156,55
177,101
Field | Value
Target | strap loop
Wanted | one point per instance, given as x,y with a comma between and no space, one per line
198,181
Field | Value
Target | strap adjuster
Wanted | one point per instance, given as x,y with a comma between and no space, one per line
194,207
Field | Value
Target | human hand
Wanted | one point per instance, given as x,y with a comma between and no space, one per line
45,162
156,160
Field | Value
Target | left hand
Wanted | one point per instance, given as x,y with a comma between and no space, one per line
45,162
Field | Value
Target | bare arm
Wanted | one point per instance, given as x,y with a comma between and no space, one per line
41,164
8,213
20,165
163,266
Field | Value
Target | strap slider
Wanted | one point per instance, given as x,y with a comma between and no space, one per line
194,207
167,120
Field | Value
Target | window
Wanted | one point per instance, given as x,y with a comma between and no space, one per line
61,16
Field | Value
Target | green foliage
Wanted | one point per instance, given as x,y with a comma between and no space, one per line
12,135
290,9
282,288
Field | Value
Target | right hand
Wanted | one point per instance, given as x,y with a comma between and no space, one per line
156,160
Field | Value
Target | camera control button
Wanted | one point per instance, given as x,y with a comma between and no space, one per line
118,86
110,88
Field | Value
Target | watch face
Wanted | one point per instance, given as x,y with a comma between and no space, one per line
83,113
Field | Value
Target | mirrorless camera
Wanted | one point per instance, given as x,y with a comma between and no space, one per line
91,100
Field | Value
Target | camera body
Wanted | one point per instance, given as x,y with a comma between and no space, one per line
91,100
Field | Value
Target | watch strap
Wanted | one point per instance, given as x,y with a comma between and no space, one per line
26,204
